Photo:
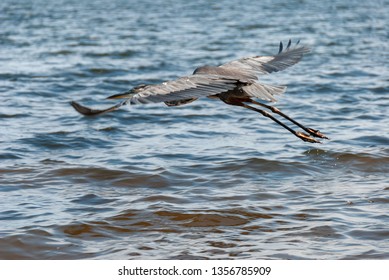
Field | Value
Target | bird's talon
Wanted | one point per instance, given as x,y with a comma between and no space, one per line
306,137
316,133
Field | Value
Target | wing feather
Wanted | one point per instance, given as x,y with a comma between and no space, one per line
188,87
259,65
263,91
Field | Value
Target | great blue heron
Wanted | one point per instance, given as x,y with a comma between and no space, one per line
234,83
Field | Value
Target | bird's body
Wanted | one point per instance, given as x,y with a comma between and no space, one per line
234,83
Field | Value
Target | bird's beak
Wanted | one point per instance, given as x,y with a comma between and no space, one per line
126,94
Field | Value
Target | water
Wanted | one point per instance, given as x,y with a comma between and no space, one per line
205,180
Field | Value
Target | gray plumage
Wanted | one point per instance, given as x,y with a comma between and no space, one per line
234,83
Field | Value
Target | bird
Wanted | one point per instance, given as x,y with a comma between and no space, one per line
235,83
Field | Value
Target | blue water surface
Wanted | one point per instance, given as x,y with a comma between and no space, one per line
205,180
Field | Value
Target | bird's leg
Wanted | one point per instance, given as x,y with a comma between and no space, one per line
298,134
311,131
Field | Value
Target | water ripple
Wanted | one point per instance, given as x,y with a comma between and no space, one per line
201,181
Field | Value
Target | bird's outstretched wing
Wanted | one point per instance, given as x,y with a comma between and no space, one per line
251,67
188,87
183,89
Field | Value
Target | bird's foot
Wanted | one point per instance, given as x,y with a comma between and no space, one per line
306,137
316,133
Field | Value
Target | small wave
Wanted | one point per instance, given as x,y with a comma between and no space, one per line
114,54
101,71
211,219
6,116
118,178
10,156
266,165
359,161
58,53
92,199
164,198
369,234
78,229
372,140
63,140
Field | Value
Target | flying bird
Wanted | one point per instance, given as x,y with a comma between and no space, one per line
235,83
